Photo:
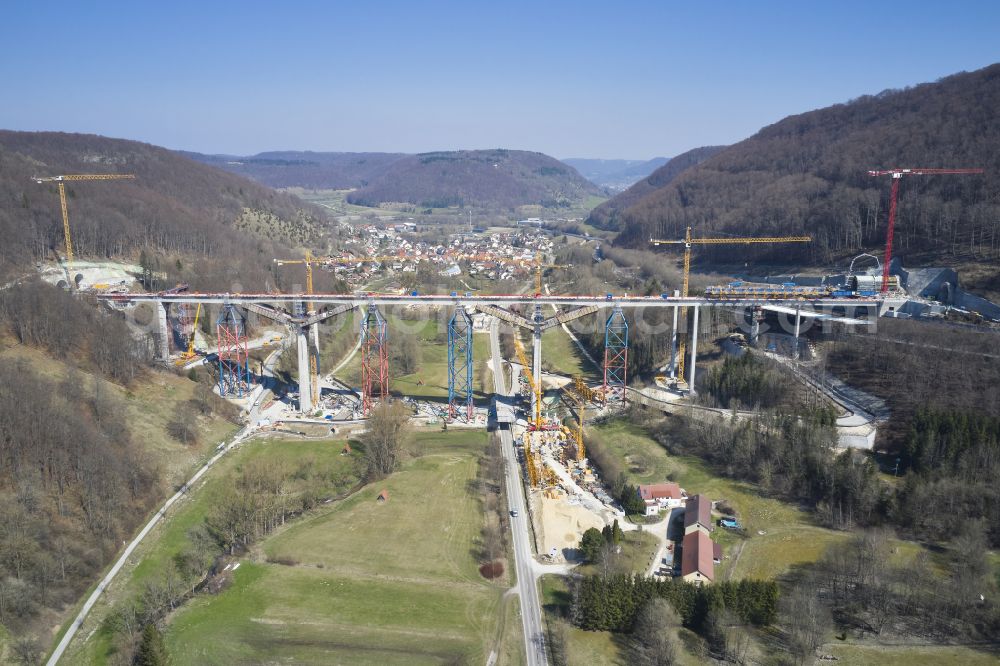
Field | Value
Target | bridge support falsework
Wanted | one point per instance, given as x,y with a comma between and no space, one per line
755,316
460,387
234,357
374,359
615,354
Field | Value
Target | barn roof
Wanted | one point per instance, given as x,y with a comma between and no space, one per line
696,555
698,510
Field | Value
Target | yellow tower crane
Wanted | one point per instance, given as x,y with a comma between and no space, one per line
581,406
580,453
687,242
61,182
539,263
580,393
313,363
535,390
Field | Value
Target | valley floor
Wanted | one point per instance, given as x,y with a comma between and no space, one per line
352,581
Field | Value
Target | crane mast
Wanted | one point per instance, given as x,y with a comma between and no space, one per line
61,182
897,175
688,242
536,390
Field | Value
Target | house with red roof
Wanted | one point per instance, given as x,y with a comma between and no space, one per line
697,558
658,496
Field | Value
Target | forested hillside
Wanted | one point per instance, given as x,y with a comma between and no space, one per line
493,178
191,216
606,215
483,178
86,450
308,169
808,173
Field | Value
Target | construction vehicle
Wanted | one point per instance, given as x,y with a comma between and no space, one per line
61,182
687,242
897,175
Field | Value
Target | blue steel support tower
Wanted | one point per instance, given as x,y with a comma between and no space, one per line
460,364
615,353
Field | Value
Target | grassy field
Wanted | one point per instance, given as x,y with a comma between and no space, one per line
560,354
335,202
511,649
790,538
337,338
364,582
862,655
430,381
156,553
637,551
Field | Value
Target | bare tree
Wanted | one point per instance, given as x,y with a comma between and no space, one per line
654,638
26,651
807,620
387,431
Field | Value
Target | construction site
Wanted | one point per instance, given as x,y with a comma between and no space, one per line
541,415
546,413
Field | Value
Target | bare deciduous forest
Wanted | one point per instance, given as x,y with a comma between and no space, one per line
184,213
807,174
74,479
501,179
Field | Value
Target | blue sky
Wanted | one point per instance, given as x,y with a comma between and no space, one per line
572,79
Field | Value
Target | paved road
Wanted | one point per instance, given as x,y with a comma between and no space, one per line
527,584
524,561
95,596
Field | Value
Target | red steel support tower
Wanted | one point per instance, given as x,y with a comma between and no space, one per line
234,357
897,175
374,360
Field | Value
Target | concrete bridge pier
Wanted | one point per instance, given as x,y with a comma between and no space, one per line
673,342
798,321
315,343
305,374
536,359
163,333
694,351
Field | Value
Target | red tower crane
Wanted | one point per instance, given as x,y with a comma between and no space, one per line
897,174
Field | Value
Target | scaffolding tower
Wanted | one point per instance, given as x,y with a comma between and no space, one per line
615,353
374,360
460,364
183,325
234,357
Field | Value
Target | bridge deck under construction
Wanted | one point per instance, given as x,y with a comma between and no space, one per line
471,300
